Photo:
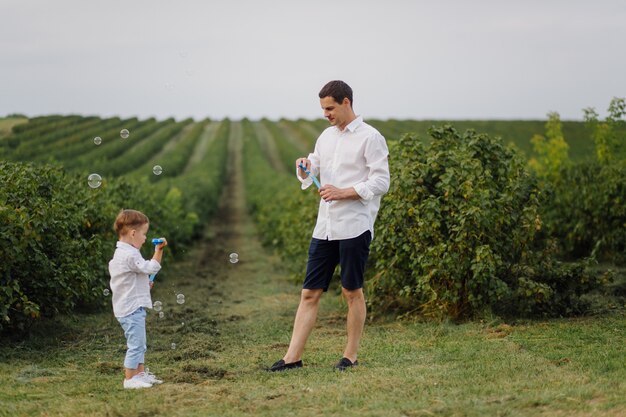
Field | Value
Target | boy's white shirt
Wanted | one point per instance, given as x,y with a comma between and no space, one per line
130,282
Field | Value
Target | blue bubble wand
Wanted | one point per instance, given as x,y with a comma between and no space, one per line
315,181
155,242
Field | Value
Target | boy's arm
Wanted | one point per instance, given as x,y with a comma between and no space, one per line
158,253
138,264
158,250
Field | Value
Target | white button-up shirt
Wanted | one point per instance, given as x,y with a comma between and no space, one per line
130,284
355,157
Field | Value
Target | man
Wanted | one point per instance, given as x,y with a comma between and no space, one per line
351,159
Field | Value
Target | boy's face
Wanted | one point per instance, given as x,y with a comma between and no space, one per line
137,236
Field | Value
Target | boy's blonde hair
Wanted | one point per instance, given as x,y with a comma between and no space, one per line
127,220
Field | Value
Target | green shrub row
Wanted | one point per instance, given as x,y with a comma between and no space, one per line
65,147
56,235
97,158
287,150
457,234
174,157
38,127
460,233
198,188
585,209
143,150
285,214
56,238
32,145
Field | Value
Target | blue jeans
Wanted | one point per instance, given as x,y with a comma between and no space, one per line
134,326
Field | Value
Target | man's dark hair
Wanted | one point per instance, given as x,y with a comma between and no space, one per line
338,90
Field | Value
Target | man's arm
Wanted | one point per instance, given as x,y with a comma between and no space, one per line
331,193
377,162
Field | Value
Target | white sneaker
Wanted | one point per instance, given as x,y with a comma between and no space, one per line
136,382
150,378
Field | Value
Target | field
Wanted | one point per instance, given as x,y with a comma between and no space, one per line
237,318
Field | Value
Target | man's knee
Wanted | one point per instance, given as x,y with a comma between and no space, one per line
353,295
311,296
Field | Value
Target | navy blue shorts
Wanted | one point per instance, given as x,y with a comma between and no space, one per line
325,255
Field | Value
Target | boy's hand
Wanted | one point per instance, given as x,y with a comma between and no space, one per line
160,246
158,249
151,284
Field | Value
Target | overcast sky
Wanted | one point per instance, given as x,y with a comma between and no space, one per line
442,59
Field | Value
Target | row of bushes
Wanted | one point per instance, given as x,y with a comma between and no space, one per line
459,233
284,214
56,234
57,238
584,202
585,209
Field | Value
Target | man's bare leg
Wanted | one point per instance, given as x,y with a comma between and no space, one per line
356,321
303,324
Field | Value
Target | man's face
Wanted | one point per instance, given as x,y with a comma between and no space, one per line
336,113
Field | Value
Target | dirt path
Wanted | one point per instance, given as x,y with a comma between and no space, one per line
244,285
231,304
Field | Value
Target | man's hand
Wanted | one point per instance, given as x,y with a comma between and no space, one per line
307,165
331,193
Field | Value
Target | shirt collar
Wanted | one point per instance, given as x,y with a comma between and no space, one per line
124,245
355,124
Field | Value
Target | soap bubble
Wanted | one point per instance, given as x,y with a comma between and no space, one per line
158,306
161,314
157,170
173,346
233,255
124,133
97,140
234,258
106,292
94,180
180,299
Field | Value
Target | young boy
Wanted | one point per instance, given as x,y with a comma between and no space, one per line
130,287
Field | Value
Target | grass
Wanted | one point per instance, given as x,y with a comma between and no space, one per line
517,132
237,320
7,123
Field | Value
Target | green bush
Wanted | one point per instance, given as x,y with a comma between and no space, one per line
46,267
587,207
285,214
56,237
456,234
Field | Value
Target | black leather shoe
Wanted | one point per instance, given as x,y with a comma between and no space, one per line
282,366
345,363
